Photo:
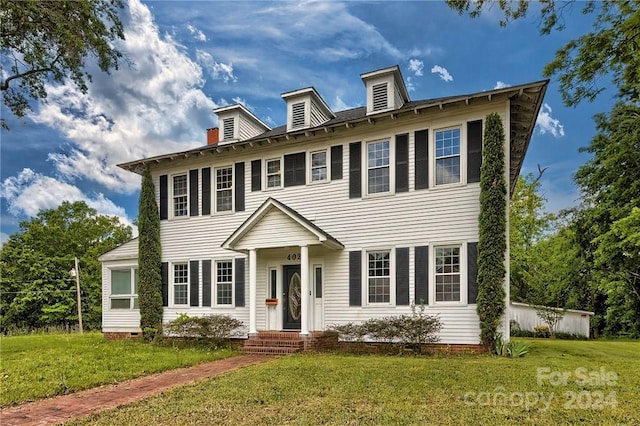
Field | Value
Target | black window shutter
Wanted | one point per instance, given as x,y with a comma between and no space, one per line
355,175
206,190
422,159
256,175
295,169
194,283
402,163
336,162
472,272
239,186
239,275
422,275
402,276
355,278
206,283
474,150
164,274
164,197
193,192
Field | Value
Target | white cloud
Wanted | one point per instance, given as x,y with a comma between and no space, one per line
217,70
547,124
196,33
416,66
444,74
3,238
409,83
340,105
154,107
501,85
29,192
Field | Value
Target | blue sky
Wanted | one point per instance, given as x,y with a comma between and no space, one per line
191,57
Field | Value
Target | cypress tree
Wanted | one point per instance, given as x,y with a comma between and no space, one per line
149,260
492,244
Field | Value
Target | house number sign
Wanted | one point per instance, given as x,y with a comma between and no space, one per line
293,256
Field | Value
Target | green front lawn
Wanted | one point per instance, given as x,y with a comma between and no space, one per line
44,365
466,389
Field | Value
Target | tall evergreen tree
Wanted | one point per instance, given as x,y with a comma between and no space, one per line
492,244
149,260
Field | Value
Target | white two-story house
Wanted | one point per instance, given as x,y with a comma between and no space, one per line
332,218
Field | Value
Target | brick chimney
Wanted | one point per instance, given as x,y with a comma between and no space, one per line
213,136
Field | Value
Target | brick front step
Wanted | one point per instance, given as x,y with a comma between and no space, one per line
278,342
269,350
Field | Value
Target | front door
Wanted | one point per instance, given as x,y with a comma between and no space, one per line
291,297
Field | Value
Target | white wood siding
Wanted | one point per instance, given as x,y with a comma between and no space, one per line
118,320
276,229
317,117
414,218
575,322
247,128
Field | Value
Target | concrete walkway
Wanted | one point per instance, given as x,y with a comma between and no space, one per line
62,408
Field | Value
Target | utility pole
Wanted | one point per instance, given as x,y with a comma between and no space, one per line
76,271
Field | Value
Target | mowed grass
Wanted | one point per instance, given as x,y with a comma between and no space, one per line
45,365
360,390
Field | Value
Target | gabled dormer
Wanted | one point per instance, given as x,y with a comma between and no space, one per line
305,109
237,124
385,90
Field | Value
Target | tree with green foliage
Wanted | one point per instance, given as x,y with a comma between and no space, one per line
51,40
528,223
492,244
612,47
149,260
36,289
610,186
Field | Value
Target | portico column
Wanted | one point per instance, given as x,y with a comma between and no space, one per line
304,277
253,278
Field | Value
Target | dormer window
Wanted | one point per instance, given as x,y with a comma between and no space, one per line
380,96
385,90
228,128
305,108
238,124
297,115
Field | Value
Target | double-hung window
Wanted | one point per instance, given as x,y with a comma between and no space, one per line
447,150
224,189
378,167
124,289
319,166
274,173
180,201
224,282
180,283
378,277
447,274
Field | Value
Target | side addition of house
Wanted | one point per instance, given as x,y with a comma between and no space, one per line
332,218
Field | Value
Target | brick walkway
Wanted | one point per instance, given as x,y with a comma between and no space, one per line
66,407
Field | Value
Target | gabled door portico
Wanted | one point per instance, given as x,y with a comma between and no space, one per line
273,226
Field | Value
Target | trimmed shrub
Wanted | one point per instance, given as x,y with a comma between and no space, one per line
216,329
149,261
492,243
541,331
402,331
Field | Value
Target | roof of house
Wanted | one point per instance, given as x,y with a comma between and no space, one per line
525,102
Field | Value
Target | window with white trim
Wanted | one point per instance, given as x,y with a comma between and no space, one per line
319,166
378,168
224,189
180,195
124,288
180,283
447,153
224,282
447,274
273,173
379,276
